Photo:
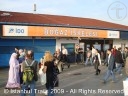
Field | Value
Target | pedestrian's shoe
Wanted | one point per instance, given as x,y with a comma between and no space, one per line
96,74
103,81
99,71
69,66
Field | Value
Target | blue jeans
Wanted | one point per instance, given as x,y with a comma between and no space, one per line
108,74
77,57
118,68
81,58
87,61
32,89
51,91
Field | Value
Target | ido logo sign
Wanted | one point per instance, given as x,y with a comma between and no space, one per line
10,30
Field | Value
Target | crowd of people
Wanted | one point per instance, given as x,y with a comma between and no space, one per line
114,59
53,64
61,59
19,63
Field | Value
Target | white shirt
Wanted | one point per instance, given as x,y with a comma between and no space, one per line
64,51
99,58
109,57
93,52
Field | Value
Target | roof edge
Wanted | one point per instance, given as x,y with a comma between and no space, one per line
56,25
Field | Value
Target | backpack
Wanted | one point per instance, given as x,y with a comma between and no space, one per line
28,73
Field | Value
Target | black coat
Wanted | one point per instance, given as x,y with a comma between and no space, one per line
118,57
51,75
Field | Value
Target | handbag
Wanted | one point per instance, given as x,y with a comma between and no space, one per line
56,62
42,77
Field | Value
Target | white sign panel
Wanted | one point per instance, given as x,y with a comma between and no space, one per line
113,34
125,85
12,30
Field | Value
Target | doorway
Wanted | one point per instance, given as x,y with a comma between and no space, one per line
101,44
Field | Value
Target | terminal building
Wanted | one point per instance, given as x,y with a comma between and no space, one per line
41,32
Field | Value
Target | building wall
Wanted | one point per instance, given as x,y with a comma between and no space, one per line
122,41
39,46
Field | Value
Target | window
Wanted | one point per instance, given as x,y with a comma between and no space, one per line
70,47
106,46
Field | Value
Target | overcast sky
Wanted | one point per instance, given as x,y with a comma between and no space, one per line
107,10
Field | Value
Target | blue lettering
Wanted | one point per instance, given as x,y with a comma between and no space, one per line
11,30
22,30
19,30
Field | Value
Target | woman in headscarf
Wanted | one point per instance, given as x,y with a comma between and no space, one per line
13,76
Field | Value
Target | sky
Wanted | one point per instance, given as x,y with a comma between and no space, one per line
107,10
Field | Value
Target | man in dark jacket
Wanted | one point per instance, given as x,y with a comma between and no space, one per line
110,62
58,60
118,61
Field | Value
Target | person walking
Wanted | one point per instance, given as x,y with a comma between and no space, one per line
126,67
97,62
58,60
21,56
34,67
13,76
118,61
125,53
114,50
81,55
49,70
65,56
110,60
88,57
93,52
77,54
21,59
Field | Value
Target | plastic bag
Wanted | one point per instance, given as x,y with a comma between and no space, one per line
42,77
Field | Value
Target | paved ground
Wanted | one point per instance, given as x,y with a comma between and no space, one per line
75,81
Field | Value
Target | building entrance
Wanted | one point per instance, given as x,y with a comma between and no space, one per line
101,44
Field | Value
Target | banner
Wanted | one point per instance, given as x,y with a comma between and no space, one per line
10,30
